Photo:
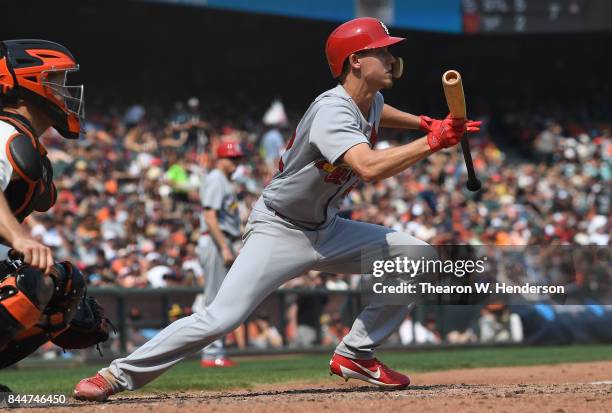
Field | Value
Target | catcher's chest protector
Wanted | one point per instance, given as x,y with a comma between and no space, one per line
31,184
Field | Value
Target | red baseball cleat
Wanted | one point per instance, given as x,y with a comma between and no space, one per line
372,371
93,389
218,362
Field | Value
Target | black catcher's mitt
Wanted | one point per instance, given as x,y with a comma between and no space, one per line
89,327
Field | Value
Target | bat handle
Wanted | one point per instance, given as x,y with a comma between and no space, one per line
473,184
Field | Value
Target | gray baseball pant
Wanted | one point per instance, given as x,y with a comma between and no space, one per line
274,252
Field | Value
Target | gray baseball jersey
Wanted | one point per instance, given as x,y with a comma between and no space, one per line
309,186
217,193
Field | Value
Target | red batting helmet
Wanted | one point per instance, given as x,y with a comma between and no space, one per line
229,149
358,34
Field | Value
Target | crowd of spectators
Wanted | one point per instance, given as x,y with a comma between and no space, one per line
128,205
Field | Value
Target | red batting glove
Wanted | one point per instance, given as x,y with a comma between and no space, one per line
425,125
447,132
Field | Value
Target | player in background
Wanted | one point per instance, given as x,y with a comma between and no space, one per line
40,300
220,226
294,225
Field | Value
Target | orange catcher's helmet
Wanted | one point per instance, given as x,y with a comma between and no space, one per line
229,149
353,36
36,71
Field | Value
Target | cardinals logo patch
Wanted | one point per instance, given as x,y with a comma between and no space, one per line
335,174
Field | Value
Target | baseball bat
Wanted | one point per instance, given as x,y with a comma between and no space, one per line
455,99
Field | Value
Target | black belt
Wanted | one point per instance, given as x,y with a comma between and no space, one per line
289,220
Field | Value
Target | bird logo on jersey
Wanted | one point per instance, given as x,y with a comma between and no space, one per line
230,204
338,175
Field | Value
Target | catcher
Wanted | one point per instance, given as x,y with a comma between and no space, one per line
40,300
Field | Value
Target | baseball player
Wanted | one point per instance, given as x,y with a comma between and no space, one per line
294,225
220,226
40,300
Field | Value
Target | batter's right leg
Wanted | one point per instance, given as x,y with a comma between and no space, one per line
343,249
272,255
343,252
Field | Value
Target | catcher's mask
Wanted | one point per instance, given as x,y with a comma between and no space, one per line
37,71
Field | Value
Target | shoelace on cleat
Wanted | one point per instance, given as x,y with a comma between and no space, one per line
100,382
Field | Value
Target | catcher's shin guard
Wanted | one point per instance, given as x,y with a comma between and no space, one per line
23,297
69,288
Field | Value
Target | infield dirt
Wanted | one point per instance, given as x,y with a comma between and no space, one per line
553,388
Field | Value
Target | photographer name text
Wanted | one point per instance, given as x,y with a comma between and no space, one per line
478,288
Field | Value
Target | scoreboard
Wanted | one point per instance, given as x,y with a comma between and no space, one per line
445,16
535,16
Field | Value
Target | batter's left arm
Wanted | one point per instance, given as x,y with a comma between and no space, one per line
396,119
